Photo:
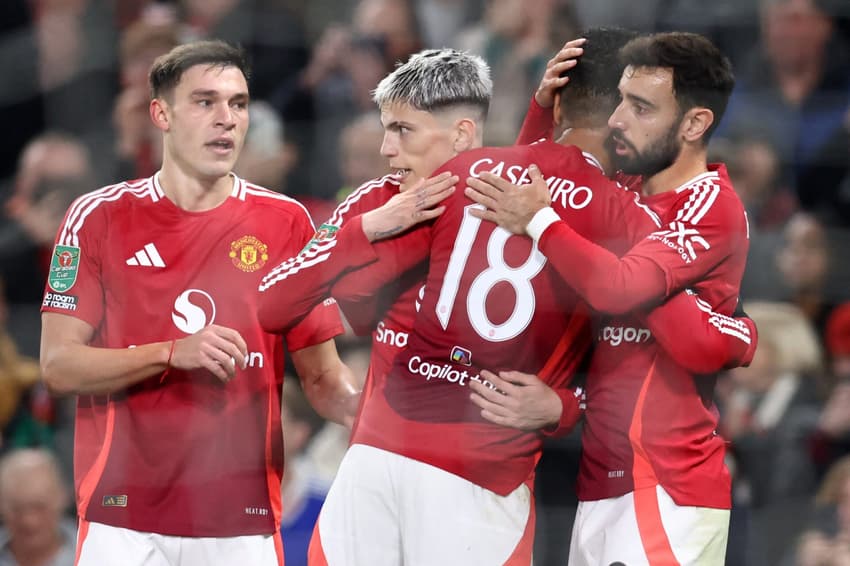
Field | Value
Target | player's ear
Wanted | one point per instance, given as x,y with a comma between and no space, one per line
696,122
465,134
556,110
158,113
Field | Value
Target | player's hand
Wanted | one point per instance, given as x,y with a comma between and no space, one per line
416,203
215,348
520,400
510,206
552,80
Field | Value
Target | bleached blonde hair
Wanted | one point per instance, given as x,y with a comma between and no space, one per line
439,79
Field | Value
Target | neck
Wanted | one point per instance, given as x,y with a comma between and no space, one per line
592,141
36,556
190,191
691,162
797,81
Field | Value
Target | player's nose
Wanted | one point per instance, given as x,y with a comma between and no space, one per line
388,146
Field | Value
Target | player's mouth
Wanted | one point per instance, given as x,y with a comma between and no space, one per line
221,146
401,173
621,146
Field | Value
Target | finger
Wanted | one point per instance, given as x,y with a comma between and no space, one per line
498,419
518,378
484,188
486,215
491,395
233,347
563,66
489,406
506,388
436,197
444,179
430,214
574,43
412,185
534,173
502,184
480,198
216,369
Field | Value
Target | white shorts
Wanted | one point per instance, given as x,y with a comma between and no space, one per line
384,510
645,527
104,545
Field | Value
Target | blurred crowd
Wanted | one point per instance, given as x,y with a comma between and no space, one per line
74,100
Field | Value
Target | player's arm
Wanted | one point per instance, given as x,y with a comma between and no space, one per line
699,339
538,121
291,290
70,366
649,272
328,383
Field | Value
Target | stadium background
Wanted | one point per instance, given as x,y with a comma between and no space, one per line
73,106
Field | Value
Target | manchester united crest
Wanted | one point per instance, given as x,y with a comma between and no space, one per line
248,253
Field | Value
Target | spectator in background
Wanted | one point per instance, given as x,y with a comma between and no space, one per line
346,64
794,90
137,142
302,489
805,267
266,157
18,374
78,70
754,167
769,415
826,542
831,441
53,169
21,104
515,40
33,500
360,155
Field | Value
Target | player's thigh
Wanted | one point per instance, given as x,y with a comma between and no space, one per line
358,525
259,550
105,545
646,527
447,520
697,535
605,532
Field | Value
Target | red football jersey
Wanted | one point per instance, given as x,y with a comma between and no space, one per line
190,456
648,419
490,302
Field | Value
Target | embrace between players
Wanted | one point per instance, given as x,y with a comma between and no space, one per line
616,241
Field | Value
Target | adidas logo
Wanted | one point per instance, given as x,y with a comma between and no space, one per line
148,256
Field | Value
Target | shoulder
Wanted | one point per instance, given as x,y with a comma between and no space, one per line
97,205
367,196
710,194
269,201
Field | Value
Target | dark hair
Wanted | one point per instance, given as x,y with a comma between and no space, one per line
167,70
591,94
702,75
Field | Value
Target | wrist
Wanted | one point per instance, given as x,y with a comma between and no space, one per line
541,220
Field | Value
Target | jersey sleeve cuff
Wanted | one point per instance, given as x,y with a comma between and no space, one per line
544,218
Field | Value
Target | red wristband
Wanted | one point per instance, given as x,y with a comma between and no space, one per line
168,363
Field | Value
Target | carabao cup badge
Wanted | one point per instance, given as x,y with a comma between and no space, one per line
248,253
64,265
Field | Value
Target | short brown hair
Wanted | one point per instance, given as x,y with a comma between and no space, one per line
167,70
702,75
